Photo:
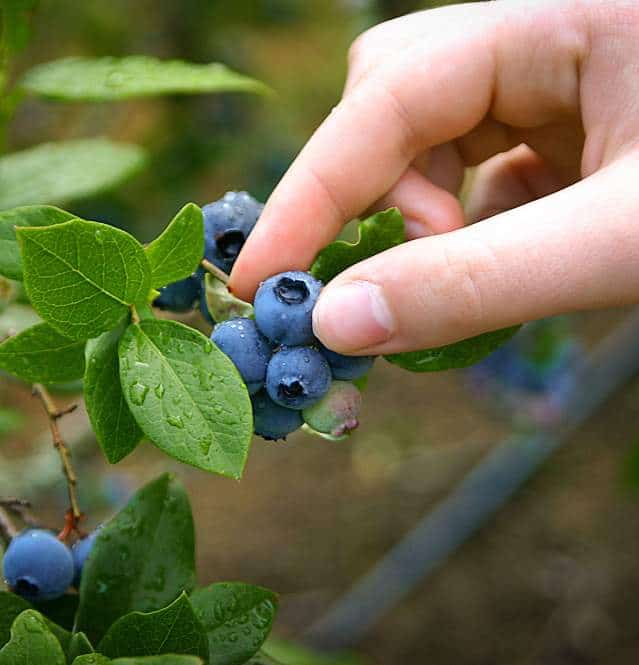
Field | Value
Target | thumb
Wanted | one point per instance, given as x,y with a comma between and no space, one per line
576,249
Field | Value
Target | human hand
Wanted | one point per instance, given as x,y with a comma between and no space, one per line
544,96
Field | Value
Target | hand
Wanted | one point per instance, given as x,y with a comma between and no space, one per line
544,95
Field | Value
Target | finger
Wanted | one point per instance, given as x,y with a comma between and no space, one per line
378,129
443,166
509,180
575,249
427,209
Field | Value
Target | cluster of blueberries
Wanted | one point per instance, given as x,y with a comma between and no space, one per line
291,377
39,567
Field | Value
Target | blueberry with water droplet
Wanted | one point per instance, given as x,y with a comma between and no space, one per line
347,368
179,296
80,551
272,421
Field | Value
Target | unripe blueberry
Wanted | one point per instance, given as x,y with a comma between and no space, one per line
297,377
272,421
245,345
227,224
179,296
347,368
337,412
284,307
37,566
80,551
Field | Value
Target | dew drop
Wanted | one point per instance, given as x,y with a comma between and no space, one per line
138,392
159,390
175,421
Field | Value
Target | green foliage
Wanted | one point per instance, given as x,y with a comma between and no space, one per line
42,355
112,79
178,251
59,172
173,659
186,395
115,427
452,356
142,560
31,643
10,421
14,24
10,261
376,234
288,653
221,303
174,629
78,646
237,617
81,276
11,607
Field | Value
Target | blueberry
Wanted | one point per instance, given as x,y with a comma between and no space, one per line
80,551
227,224
272,421
336,413
245,345
297,377
37,566
347,368
179,296
284,307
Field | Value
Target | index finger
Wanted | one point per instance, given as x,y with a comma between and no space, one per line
435,92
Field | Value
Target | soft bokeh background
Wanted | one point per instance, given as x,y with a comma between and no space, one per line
552,580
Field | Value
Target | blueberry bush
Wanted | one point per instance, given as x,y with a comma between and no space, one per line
103,311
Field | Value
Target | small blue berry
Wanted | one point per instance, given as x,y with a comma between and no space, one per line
347,368
80,551
227,224
297,377
272,421
284,307
37,566
245,345
179,296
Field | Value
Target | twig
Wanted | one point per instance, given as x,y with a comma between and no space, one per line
54,414
21,508
7,528
214,270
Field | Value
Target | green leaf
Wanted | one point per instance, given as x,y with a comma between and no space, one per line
79,646
221,303
82,276
174,629
65,171
288,653
10,261
186,395
237,618
115,427
31,643
177,253
11,606
159,660
376,234
60,613
42,355
453,356
14,24
142,559
109,79
92,659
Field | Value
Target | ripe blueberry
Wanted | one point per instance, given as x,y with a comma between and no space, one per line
297,377
272,421
245,345
37,566
80,551
179,296
336,413
284,307
227,224
347,368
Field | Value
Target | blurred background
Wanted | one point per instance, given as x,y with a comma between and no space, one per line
552,578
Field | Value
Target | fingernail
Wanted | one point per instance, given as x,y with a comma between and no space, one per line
352,317
416,229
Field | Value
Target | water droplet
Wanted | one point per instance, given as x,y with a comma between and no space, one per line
115,78
159,390
208,347
98,237
175,421
138,392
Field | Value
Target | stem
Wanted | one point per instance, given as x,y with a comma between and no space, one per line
21,508
215,271
54,414
8,530
135,317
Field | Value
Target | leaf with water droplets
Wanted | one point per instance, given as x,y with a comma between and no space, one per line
82,277
142,559
202,413
177,253
237,618
115,427
173,629
221,303
31,643
40,354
